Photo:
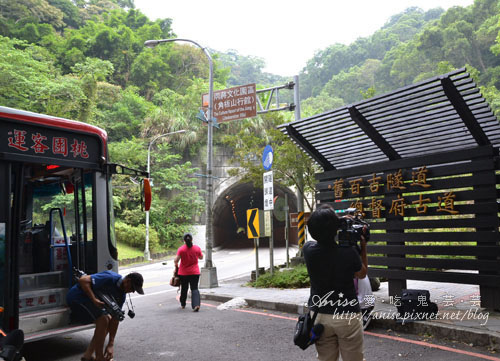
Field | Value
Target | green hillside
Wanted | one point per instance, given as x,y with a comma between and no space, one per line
85,60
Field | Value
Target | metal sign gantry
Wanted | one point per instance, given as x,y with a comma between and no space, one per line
274,94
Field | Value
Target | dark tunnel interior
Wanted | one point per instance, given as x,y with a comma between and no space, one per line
230,216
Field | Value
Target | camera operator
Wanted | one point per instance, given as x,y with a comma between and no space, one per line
87,308
331,269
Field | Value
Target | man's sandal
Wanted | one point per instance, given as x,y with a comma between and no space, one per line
87,359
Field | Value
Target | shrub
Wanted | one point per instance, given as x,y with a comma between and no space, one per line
136,236
294,278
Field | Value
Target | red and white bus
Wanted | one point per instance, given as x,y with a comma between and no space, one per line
56,212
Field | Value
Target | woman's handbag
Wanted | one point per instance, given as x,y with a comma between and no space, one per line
175,281
306,333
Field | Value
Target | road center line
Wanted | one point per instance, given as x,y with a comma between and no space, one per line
265,314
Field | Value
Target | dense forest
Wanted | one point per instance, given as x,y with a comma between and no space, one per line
410,47
85,60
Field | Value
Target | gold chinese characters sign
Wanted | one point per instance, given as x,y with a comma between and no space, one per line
377,186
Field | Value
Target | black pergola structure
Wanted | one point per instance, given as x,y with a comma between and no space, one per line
422,165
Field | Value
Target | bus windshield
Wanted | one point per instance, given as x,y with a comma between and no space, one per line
57,202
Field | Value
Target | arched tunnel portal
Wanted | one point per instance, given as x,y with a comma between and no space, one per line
230,216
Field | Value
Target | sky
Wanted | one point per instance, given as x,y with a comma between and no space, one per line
285,33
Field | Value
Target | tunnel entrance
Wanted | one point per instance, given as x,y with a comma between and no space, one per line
230,212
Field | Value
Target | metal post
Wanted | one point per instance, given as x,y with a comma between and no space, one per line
302,229
209,273
208,276
296,97
256,243
147,255
287,225
300,181
300,178
210,190
271,245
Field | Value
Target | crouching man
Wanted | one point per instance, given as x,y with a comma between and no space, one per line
87,308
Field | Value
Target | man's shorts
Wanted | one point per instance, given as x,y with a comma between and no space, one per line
342,335
85,312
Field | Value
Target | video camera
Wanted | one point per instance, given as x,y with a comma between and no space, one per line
110,304
11,345
352,227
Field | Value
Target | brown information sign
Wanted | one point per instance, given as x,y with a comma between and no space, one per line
294,218
233,103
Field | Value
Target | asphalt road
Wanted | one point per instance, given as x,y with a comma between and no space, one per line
161,330
229,264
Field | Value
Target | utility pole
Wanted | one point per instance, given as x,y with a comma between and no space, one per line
300,180
208,278
270,107
296,100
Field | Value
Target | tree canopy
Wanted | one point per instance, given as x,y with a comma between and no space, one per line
86,60
411,46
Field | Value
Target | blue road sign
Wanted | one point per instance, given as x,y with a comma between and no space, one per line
267,157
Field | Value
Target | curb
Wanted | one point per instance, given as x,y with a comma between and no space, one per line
139,260
439,330
268,305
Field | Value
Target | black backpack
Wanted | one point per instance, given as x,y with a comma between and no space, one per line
416,305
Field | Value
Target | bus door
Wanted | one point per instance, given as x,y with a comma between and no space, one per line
50,213
8,260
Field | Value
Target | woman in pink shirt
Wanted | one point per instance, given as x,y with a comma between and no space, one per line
189,272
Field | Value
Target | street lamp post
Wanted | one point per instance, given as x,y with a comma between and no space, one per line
208,277
147,255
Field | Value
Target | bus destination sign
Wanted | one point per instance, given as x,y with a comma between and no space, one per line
44,142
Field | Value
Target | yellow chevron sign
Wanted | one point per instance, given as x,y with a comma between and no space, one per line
253,223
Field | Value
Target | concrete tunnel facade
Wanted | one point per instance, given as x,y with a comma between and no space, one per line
230,216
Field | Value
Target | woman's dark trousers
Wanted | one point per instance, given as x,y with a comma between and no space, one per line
186,282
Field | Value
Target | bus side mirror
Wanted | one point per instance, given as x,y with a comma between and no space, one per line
147,194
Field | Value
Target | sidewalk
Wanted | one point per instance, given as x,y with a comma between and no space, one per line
459,317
